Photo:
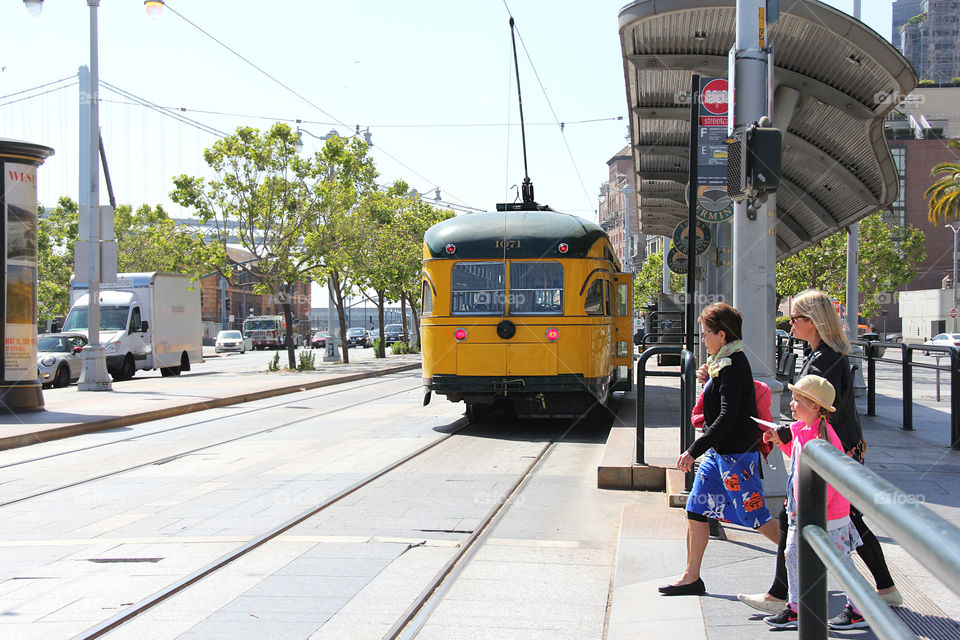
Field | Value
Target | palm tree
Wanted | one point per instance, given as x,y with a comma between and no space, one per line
944,194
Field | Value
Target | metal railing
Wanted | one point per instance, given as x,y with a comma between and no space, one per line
926,536
688,380
872,352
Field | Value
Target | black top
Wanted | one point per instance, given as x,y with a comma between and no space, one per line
827,363
729,400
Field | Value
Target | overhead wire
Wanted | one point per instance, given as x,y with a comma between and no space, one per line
39,86
286,87
560,124
165,111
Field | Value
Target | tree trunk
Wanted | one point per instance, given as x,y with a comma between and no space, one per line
383,337
338,303
288,337
403,315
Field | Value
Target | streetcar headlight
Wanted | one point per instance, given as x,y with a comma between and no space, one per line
553,334
460,334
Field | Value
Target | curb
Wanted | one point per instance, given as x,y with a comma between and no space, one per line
26,439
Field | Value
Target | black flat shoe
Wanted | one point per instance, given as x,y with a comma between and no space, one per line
695,588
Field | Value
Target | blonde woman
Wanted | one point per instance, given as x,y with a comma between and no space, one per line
814,320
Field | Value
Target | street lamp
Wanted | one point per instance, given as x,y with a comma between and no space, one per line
96,222
954,229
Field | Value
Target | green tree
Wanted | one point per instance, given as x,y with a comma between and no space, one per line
648,282
270,201
885,256
944,194
56,235
148,239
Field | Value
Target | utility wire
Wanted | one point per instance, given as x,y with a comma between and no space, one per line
171,114
234,52
37,95
39,86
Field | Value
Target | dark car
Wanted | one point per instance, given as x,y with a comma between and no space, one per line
393,333
319,340
58,358
358,337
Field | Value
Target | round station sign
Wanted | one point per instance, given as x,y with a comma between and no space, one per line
714,96
677,261
703,236
953,313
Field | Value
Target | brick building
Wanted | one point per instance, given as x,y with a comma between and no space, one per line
225,304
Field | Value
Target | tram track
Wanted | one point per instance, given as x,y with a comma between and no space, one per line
169,458
411,621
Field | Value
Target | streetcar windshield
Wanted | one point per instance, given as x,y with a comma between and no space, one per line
536,288
479,288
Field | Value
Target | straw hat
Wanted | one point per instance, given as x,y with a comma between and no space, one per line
817,389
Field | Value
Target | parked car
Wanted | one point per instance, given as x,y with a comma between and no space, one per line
358,337
228,340
319,340
943,340
782,333
393,333
58,358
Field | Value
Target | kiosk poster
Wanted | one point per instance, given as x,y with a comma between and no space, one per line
20,220
713,203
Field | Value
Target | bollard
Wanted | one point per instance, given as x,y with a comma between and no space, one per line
871,381
907,375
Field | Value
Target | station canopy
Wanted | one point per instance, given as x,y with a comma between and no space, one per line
836,165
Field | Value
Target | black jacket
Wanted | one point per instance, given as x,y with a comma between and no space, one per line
729,400
827,363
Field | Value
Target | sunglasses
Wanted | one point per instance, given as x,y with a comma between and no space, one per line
795,318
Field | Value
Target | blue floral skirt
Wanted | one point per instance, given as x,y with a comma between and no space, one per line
728,487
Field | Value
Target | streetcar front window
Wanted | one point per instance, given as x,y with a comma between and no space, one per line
478,288
536,288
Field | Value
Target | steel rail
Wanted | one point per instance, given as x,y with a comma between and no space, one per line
170,458
151,601
416,616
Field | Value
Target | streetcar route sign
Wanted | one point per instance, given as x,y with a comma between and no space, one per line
713,203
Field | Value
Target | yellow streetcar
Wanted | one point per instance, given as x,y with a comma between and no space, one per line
524,309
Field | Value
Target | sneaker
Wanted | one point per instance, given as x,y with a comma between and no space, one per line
786,619
848,619
760,602
892,598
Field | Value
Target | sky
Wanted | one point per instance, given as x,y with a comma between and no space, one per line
432,80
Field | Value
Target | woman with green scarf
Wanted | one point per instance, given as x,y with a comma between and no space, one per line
728,485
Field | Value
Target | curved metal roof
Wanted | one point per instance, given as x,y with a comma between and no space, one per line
836,165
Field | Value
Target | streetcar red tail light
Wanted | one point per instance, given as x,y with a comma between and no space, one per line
563,247
460,334
553,334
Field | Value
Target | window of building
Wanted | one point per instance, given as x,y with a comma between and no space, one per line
536,288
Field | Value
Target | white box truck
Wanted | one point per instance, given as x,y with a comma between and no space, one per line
147,321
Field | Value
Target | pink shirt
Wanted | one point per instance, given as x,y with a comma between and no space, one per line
837,506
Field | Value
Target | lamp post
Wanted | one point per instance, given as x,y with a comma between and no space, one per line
954,229
96,224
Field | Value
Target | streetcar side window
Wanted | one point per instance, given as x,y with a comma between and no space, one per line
426,300
536,288
478,288
593,304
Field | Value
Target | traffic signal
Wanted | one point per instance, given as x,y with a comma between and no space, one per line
228,304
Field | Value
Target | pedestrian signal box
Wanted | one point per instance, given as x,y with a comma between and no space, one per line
753,162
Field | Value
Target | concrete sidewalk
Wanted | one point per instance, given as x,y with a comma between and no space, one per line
148,397
652,547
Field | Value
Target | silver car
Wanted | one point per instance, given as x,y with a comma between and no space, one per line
229,341
58,358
